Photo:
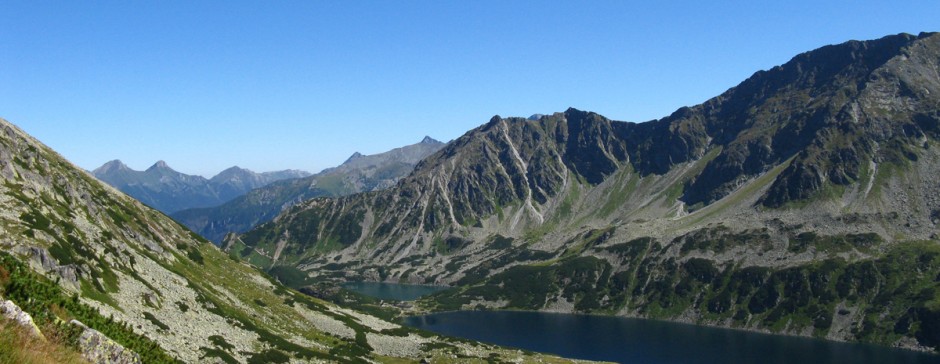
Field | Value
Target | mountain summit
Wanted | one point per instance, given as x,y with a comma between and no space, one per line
160,166
794,202
354,156
112,166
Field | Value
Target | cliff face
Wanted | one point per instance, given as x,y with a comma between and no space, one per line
840,142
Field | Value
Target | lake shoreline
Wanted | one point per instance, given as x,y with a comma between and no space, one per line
913,347
919,349
724,341
418,311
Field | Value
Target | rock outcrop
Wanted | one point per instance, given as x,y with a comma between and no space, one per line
99,349
12,312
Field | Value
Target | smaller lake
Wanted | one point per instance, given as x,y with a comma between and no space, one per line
392,291
626,340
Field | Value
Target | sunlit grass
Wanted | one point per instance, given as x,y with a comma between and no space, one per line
17,346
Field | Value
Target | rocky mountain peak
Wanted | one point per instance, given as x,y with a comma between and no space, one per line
429,140
231,172
112,167
235,169
354,156
160,165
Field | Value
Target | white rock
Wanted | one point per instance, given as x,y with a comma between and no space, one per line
13,312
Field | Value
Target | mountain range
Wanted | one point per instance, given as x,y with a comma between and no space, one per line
76,254
169,191
802,201
359,173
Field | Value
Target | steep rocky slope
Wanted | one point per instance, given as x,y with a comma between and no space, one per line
359,173
143,274
169,191
804,201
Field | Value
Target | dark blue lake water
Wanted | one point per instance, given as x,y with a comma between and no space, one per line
392,291
628,340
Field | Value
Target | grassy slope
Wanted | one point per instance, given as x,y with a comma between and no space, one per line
19,347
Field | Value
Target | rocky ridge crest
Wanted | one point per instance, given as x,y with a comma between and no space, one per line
830,157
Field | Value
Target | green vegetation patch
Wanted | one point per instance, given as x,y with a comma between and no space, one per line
834,244
530,287
721,239
499,242
633,247
290,276
192,252
218,354
220,342
153,319
450,244
269,356
895,294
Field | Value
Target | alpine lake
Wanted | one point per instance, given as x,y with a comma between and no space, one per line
631,340
392,291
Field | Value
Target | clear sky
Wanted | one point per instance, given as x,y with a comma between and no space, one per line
270,85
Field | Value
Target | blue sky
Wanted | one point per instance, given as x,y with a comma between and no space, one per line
274,85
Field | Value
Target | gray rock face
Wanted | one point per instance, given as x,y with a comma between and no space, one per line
71,273
99,349
13,312
95,346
